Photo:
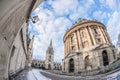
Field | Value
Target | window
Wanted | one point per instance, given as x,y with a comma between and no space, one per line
105,58
72,39
86,44
98,40
73,47
82,34
95,31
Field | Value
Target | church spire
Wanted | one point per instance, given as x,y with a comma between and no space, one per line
51,43
50,48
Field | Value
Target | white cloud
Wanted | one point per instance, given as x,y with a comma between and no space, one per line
111,3
62,7
101,15
113,26
53,23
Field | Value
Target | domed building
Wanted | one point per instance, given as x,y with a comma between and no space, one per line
87,46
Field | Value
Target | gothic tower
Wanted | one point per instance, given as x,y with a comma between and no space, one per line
49,57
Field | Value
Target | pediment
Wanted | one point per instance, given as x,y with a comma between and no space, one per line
71,54
102,46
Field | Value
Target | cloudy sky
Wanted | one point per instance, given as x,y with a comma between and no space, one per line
56,16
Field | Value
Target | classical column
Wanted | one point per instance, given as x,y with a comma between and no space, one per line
103,38
79,39
76,40
104,35
108,37
70,44
93,38
67,45
65,48
89,36
81,42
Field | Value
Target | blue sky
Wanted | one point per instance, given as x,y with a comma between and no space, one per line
56,16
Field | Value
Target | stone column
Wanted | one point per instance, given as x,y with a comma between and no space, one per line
89,36
108,37
64,48
67,45
104,35
93,38
77,44
81,42
103,38
70,44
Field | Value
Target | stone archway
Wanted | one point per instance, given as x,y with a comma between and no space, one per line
88,65
105,58
71,65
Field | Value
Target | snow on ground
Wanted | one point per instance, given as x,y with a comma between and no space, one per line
34,74
114,76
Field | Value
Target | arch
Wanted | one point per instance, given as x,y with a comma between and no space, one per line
105,58
88,65
71,65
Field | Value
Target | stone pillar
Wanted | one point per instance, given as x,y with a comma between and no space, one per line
70,44
77,40
93,38
89,36
103,38
64,48
67,45
104,35
81,42
108,37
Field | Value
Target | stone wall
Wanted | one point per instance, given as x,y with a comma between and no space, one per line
13,13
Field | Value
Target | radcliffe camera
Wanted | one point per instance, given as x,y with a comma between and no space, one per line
59,40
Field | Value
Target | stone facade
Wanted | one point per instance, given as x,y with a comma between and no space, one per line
49,60
41,64
14,17
87,46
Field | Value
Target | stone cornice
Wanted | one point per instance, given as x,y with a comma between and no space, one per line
85,23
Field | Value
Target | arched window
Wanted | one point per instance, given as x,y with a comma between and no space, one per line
95,31
71,65
88,65
105,58
86,44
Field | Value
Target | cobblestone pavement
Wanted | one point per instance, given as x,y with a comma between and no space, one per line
63,77
37,74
